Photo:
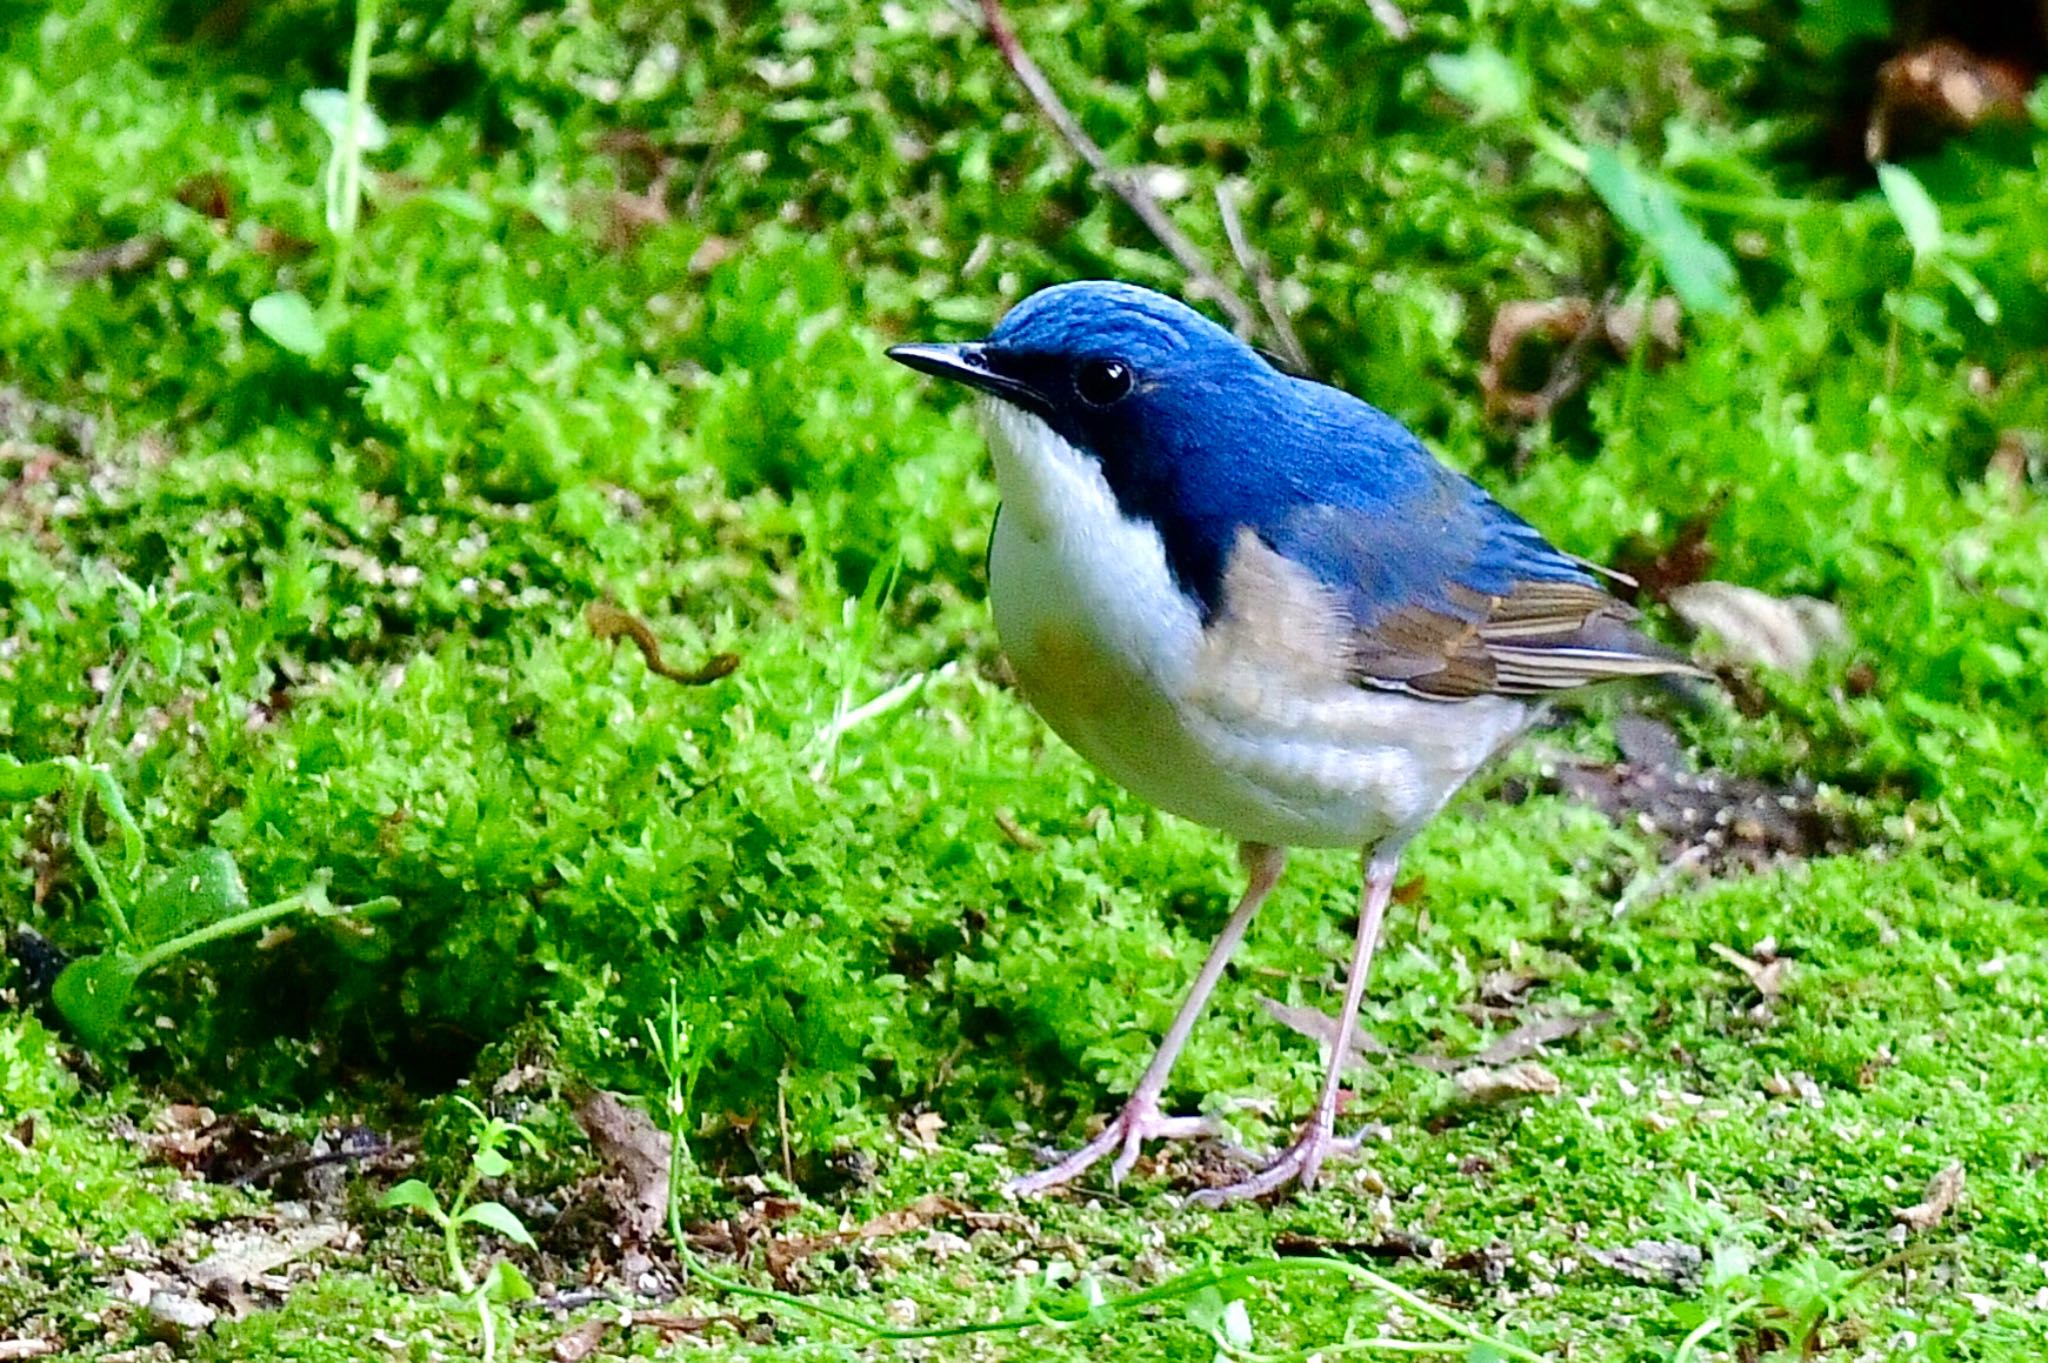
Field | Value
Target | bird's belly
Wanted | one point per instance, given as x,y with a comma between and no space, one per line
1111,666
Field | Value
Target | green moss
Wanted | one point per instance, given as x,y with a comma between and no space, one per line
363,578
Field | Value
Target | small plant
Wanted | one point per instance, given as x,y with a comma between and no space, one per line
199,898
353,129
503,1283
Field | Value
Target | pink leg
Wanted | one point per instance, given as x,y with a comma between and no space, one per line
1141,1119
1302,1160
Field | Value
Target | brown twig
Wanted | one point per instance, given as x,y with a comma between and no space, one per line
1203,280
608,622
1256,269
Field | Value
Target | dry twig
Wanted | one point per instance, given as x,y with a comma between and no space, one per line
1203,280
1256,269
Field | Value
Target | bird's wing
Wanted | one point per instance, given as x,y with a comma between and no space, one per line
1445,594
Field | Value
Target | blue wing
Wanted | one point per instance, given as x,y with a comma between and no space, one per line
1448,594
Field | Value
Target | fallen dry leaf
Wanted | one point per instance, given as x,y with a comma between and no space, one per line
1569,325
245,1254
1788,633
1321,1028
608,622
1942,1191
637,1151
1766,977
785,1253
1530,1037
581,1341
1395,1244
1483,1084
1670,1263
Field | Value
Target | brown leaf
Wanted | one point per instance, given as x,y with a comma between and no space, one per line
1527,1039
1658,570
672,1325
123,257
1321,1028
1483,1084
637,1151
1544,343
608,622
1396,1244
582,1341
785,1253
1671,1263
1766,977
1788,633
1942,1191
208,194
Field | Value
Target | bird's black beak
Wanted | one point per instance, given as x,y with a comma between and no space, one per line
970,362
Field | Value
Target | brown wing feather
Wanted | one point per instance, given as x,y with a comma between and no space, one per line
1540,637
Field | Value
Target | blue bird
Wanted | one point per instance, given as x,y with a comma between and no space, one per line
1260,603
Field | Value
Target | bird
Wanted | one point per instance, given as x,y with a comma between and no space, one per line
1258,602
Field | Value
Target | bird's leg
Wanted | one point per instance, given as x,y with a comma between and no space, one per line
1141,1119
1301,1161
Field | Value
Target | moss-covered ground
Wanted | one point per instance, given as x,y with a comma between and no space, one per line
301,525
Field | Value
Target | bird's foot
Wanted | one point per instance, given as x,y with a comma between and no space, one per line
1298,1163
1140,1121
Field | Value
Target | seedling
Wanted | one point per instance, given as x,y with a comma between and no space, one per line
198,899
353,129
503,1283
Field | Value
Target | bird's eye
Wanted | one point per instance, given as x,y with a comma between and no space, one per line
1102,382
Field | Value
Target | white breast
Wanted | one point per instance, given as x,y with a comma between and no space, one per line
1109,650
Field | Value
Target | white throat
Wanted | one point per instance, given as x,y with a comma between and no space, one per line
1065,552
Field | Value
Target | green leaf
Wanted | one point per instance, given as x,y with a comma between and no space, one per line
329,108
1919,216
491,1164
1700,272
499,1218
31,780
1981,301
413,1193
507,1283
288,319
93,994
1484,78
203,888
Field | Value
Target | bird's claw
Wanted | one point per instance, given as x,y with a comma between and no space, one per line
1140,1121
1299,1163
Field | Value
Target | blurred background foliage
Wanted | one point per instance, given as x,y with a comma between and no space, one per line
613,331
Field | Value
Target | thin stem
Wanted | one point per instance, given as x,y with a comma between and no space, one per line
230,926
1708,1326
350,151
1126,186
112,700
81,847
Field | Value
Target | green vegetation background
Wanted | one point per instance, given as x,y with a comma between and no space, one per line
613,331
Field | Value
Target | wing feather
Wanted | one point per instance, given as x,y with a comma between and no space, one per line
1454,597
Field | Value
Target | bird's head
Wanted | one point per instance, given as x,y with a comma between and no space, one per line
1113,368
